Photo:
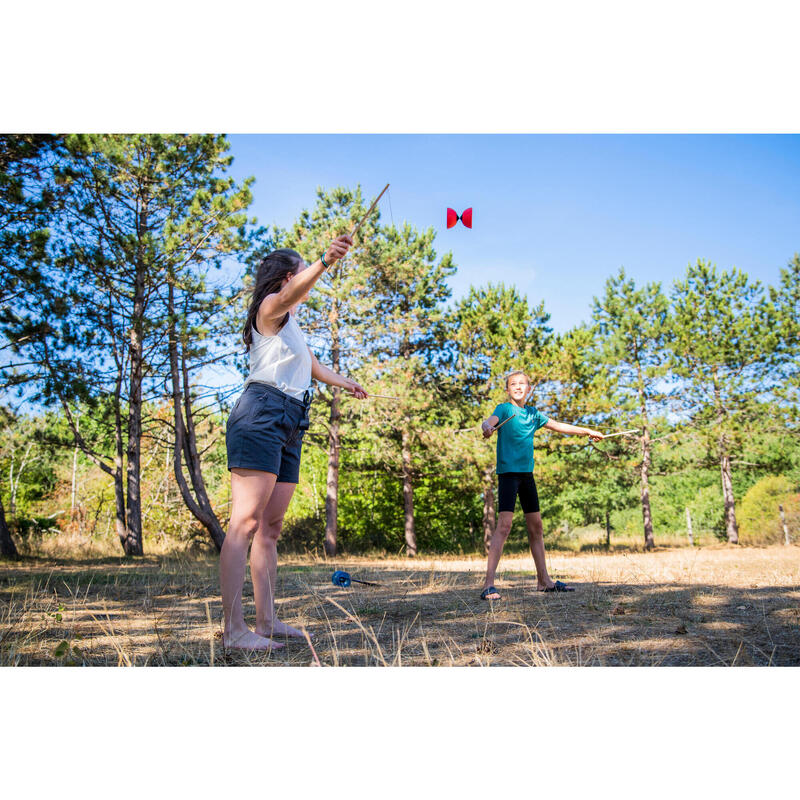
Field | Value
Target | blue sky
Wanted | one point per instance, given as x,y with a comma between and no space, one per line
555,215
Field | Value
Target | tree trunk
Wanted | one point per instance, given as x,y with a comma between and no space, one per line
133,543
205,512
489,515
15,479
120,522
608,532
731,528
11,486
332,484
786,540
408,496
647,516
186,439
74,483
133,540
7,546
689,532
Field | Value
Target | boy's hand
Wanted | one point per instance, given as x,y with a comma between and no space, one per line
487,429
595,436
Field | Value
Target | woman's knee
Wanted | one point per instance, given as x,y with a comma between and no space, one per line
271,528
243,527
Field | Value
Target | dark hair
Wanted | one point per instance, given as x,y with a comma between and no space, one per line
272,269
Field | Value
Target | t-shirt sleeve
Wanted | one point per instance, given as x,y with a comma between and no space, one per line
539,419
501,412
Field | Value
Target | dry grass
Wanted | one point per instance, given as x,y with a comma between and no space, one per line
702,606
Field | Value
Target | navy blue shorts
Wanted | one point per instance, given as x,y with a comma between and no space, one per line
265,431
511,484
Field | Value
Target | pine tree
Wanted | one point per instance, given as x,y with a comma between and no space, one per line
336,316
135,215
405,339
786,302
633,324
25,218
580,479
724,342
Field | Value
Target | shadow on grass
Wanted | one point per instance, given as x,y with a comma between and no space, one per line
167,611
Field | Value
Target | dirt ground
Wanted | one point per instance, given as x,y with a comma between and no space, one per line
709,606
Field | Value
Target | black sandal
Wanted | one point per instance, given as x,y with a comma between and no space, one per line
490,590
558,587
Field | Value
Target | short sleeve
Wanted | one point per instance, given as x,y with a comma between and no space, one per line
539,419
501,412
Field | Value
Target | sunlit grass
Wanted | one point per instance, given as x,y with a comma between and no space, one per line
701,606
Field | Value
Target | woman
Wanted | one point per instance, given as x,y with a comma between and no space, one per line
264,438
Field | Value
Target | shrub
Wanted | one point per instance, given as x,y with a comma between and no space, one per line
757,514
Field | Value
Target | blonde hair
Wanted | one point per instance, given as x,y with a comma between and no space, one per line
516,372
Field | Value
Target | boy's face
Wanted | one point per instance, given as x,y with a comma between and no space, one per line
518,387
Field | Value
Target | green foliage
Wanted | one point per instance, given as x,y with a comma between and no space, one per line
710,371
759,518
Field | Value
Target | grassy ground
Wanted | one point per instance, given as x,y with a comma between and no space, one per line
700,606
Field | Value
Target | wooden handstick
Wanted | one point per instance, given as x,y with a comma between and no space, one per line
621,433
383,396
355,230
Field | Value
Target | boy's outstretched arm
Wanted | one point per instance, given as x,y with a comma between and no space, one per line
488,426
563,427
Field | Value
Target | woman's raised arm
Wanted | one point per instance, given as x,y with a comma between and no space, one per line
274,306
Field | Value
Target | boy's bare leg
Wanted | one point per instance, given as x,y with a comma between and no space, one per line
504,519
533,522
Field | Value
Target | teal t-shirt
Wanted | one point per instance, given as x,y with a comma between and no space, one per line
515,438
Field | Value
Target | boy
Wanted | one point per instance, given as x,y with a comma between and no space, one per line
517,424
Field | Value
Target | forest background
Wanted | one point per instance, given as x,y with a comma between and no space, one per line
117,313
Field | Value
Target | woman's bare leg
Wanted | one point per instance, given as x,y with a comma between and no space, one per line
264,563
250,492
504,520
533,522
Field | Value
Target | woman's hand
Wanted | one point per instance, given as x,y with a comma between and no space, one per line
355,389
595,436
338,249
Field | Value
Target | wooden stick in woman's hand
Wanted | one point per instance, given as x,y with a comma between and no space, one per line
375,202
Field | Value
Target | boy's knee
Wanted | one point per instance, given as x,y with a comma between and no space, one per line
535,531
503,530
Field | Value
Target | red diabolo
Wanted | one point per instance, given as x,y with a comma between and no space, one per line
452,218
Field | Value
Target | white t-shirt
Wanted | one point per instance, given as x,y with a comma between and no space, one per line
282,360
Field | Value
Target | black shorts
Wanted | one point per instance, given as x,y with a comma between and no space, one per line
509,484
265,431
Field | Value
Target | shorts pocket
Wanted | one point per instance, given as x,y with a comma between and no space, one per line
236,412
271,416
